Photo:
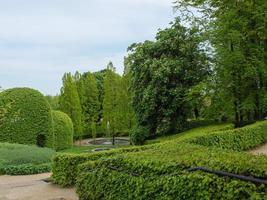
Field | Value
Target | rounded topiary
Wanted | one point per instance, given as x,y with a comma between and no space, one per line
25,117
63,130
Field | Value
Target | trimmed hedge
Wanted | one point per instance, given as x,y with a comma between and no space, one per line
25,117
65,166
63,130
237,139
153,175
160,171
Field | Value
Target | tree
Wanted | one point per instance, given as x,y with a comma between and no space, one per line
69,103
162,73
90,102
237,32
110,101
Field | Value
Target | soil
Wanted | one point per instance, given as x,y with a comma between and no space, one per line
260,150
33,187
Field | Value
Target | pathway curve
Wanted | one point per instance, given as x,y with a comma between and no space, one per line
260,150
33,188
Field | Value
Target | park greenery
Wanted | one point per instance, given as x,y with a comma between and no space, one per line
195,96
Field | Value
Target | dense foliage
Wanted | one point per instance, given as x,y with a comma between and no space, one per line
63,130
160,171
237,139
163,73
17,159
236,31
101,101
69,103
25,117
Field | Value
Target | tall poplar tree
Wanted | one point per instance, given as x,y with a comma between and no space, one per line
69,102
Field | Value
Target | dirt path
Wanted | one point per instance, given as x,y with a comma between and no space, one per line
260,150
33,188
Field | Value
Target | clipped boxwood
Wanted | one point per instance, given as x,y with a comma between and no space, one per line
63,130
25,117
236,139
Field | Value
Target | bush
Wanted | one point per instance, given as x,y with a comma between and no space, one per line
153,175
138,135
25,117
65,166
63,130
22,159
237,139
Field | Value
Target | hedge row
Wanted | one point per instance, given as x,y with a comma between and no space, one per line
236,139
160,171
65,166
104,183
25,169
163,174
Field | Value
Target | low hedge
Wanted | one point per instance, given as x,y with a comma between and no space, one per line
25,169
63,130
65,166
236,139
161,171
103,183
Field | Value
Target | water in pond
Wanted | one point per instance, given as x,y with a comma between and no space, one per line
108,141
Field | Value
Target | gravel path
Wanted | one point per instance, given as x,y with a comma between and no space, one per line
33,188
260,150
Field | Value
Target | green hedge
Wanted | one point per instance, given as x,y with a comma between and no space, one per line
65,166
237,139
63,130
161,173
25,117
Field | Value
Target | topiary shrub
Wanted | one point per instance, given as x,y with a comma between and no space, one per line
25,117
63,130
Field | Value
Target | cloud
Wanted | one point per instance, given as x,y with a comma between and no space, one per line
40,40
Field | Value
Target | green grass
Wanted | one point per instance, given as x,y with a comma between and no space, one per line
23,159
192,133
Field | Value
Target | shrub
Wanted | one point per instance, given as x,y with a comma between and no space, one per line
237,139
63,130
153,175
65,166
25,117
22,159
138,135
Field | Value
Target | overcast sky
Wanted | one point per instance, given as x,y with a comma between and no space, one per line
42,39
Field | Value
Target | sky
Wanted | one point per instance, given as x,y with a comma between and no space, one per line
40,40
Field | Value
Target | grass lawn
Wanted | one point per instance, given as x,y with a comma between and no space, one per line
16,159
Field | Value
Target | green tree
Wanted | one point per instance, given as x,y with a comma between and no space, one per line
162,74
237,33
69,102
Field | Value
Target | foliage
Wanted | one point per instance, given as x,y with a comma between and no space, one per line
69,103
53,101
236,31
138,135
162,74
88,93
17,159
237,139
63,130
25,117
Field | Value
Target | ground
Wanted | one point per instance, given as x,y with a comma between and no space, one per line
32,188
260,150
